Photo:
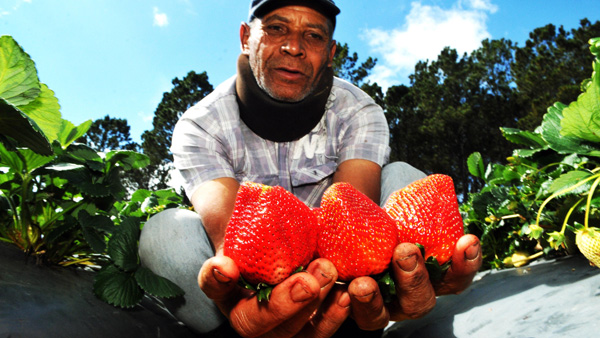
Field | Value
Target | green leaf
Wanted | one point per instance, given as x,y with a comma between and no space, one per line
113,182
34,160
476,166
123,245
67,225
528,138
128,159
11,160
19,83
551,132
156,285
45,111
69,132
87,183
569,179
150,202
93,227
510,175
527,153
595,46
494,172
117,287
83,154
16,124
582,117
168,197
140,195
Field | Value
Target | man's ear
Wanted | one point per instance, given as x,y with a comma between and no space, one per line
244,37
332,52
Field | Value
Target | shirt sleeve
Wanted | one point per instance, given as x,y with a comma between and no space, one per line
198,154
366,135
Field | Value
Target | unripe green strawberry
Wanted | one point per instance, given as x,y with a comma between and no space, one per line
357,236
270,235
588,242
427,213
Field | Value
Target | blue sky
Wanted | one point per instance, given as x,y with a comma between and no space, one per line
117,57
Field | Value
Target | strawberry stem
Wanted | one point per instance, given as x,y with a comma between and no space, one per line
563,191
589,202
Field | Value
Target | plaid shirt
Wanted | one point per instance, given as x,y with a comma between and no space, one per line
210,141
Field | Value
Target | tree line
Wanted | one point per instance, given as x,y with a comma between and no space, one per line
453,106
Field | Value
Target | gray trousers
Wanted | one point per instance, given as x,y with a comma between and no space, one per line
174,245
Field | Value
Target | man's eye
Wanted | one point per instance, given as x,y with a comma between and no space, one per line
316,36
274,28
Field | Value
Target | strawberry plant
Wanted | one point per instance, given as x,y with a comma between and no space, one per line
547,187
62,202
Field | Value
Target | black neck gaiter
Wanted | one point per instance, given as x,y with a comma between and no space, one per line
276,120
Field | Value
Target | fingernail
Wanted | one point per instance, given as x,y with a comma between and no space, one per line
472,251
221,278
366,298
323,277
408,263
300,293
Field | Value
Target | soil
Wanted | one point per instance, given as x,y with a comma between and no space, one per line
549,298
44,301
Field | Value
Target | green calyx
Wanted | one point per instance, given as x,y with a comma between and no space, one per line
263,290
434,268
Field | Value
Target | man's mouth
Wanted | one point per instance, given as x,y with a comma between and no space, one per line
289,73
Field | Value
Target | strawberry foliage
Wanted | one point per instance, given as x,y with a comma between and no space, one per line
63,202
536,203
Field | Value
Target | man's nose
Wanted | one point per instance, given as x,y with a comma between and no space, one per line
293,45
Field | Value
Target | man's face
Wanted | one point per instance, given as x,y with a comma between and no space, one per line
289,48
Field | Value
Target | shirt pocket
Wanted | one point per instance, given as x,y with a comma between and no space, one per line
313,174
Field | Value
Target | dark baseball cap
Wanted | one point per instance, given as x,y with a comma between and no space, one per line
259,8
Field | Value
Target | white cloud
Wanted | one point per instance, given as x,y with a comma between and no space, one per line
15,7
484,5
160,19
145,118
427,30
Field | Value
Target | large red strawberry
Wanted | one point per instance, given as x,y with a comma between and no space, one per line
270,235
427,213
357,236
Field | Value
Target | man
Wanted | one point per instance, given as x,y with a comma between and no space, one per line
285,120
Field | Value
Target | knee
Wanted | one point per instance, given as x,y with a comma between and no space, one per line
166,230
402,169
397,175
168,220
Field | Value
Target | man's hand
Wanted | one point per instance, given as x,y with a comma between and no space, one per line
415,293
307,304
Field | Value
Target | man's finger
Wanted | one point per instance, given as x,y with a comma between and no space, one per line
326,275
368,309
466,261
333,313
249,317
416,296
218,278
